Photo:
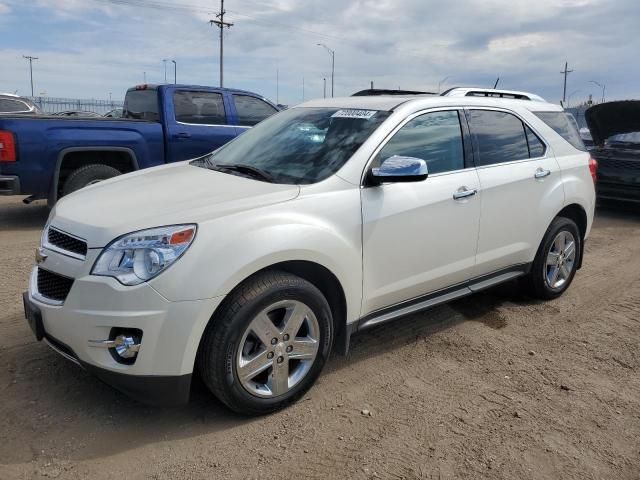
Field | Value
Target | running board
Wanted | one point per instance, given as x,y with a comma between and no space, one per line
442,296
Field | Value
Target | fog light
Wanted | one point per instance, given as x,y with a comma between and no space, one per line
126,347
124,344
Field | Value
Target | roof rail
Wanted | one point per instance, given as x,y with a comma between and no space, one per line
491,93
384,91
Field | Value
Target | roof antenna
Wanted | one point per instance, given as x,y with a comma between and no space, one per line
496,84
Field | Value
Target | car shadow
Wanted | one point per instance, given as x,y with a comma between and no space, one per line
15,215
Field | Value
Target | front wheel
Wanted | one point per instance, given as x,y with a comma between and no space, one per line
557,260
267,344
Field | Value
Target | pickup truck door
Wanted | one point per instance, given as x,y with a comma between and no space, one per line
197,123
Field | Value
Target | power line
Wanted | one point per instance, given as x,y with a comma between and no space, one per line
159,5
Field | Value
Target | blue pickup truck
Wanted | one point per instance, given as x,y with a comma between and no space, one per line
48,157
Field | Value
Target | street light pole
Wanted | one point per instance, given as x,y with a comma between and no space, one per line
175,72
31,59
333,63
324,89
164,60
602,86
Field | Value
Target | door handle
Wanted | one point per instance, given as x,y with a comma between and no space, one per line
541,173
182,135
464,192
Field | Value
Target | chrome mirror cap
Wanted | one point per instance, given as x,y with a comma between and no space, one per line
400,169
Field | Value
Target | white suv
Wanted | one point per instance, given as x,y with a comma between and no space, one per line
250,264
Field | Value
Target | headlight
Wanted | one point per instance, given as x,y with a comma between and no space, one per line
140,256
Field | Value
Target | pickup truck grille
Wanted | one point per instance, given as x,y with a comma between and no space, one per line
66,242
618,164
53,286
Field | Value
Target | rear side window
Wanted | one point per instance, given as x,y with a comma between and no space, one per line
536,147
500,137
565,125
201,108
141,105
252,110
433,137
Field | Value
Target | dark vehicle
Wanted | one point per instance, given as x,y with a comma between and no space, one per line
615,128
13,104
49,156
76,113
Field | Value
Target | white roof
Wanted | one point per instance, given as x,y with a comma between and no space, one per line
390,102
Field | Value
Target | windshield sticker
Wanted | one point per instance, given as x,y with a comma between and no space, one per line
364,114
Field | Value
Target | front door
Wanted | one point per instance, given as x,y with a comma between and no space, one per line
418,238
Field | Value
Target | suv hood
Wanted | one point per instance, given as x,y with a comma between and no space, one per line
613,118
166,195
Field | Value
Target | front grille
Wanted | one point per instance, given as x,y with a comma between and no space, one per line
66,242
53,286
618,164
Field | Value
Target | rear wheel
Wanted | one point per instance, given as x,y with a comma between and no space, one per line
88,175
267,344
557,260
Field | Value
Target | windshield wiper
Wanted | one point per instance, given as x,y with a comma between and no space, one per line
250,170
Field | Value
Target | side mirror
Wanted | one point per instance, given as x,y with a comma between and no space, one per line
400,169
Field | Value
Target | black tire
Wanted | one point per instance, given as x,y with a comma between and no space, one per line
536,282
221,341
87,175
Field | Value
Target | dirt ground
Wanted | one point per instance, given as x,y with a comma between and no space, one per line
494,386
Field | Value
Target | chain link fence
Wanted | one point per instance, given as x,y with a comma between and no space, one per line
55,105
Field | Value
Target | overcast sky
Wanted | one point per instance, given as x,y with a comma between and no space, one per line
89,48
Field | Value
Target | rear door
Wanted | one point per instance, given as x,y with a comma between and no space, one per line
197,124
250,110
521,188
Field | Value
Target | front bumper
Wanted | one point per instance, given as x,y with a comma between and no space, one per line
9,185
94,306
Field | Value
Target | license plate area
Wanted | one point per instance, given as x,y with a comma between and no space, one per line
33,316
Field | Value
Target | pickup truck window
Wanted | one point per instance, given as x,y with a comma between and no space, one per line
201,108
298,146
141,105
252,110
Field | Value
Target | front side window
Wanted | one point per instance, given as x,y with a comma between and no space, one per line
298,146
499,136
201,108
251,110
434,137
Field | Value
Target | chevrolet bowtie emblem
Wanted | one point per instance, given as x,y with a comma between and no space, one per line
40,256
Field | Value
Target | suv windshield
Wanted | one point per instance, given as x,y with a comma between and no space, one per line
297,146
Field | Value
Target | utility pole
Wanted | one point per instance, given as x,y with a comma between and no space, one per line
565,72
324,90
221,24
164,60
371,84
144,76
31,59
175,72
303,89
333,63
277,87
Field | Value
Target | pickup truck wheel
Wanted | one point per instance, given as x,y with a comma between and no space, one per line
557,260
267,343
88,175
